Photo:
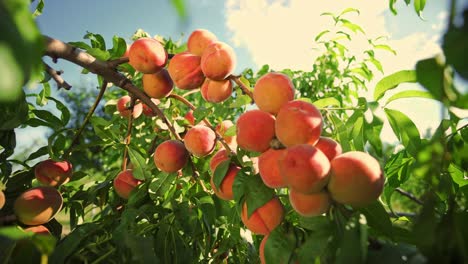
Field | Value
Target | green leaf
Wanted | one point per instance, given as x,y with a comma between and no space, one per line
329,101
119,47
39,8
252,190
318,240
41,98
65,113
391,6
180,7
410,94
231,131
47,116
457,175
201,113
419,6
220,172
97,41
392,81
279,246
321,34
349,10
13,113
353,27
38,153
385,47
240,100
430,74
405,130
14,233
353,245
139,170
378,218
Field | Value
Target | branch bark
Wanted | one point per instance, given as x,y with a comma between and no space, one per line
61,83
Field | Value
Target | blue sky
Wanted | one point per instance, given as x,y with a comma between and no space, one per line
274,32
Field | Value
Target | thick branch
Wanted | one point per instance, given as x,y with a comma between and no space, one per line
58,49
244,88
61,83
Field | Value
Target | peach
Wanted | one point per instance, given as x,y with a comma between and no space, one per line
190,118
312,204
221,128
266,218
158,85
200,140
147,110
184,69
124,183
217,158
171,156
53,173
122,106
356,179
225,189
199,40
298,122
40,230
254,130
216,91
269,169
329,147
272,91
304,168
261,249
218,61
37,206
2,199
147,55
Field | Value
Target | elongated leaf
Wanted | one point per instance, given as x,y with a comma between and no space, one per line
65,113
49,118
321,34
349,10
392,81
385,47
352,26
391,6
279,246
220,172
139,169
410,94
180,7
405,130
378,218
419,6
39,8
41,98
329,101
430,74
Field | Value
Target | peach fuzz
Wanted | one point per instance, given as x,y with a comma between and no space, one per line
254,130
2,199
200,140
199,40
356,179
147,110
124,183
272,91
269,169
37,206
221,128
225,189
329,147
122,106
40,230
147,55
217,158
266,218
304,168
218,61
216,91
308,205
170,156
298,122
53,173
157,85
184,69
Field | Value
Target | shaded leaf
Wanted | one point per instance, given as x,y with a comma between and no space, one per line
392,81
405,130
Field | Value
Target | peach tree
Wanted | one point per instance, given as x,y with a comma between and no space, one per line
176,158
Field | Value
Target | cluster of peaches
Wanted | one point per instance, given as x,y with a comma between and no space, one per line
37,206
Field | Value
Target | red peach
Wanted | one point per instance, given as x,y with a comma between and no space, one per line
124,183
53,173
308,205
147,110
266,218
157,85
200,140
268,166
272,91
218,61
262,249
216,91
147,55
329,147
254,130
171,156
221,128
122,106
190,118
225,191
37,206
199,40
40,230
184,69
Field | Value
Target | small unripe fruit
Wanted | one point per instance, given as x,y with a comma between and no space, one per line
200,140
272,91
185,70
38,205
218,61
147,110
308,205
265,218
304,168
356,179
124,183
254,130
199,40
158,85
147,55
298,122
329,147
53,173
171,156
268,166
216,91
122,106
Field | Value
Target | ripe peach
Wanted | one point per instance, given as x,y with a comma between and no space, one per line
200,140
304,168
218,61
147,55
184,69
312,204
158,85
255,129
2,199
171,156
329,147
122,106
265,218
124,183
147,110
272,91
225,190
40,230
216,91
199,40
356,179
53,173
38,205
269,168
189,117
221,128
217,158
298,122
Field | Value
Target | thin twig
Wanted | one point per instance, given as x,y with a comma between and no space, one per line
128,136
196,175
61,83
114,63
409,195
190,92
244,88
67,153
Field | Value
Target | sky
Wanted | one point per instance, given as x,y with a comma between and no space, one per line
275,32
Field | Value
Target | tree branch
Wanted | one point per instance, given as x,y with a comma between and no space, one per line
61,83
57,49
409,195
244,88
